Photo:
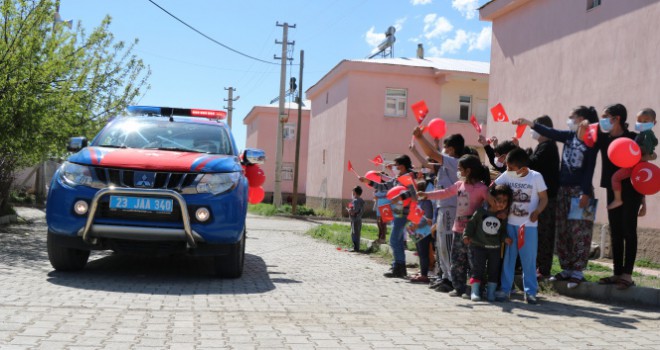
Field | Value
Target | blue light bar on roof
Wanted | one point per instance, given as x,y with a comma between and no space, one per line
169,111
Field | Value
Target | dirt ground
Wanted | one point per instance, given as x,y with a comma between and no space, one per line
648,242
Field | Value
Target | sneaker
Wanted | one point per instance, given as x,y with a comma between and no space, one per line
559,277
501,296
419,279
466,296
456,293
573,283
531,299
444,287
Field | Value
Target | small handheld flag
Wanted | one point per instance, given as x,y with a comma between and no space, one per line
378,160
385,211
499,114
520,130
475,124
590,135
521,236
420,110
350,168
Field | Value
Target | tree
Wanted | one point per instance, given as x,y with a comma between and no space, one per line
56,82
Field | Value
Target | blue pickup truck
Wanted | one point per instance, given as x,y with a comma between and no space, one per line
157,180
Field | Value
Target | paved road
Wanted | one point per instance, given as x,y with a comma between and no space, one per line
296,293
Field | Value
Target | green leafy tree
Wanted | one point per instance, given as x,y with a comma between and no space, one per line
57,82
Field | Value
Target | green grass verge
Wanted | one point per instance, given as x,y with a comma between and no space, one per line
646,263
270,210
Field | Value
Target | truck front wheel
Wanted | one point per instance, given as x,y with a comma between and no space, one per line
231,265
66,259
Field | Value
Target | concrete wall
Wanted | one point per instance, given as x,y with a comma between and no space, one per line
549,56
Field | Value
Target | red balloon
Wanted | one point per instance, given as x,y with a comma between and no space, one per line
255,175
373,176
645,178
624,152
395,191
437,128
256,194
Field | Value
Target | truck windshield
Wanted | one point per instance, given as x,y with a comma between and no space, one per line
165,135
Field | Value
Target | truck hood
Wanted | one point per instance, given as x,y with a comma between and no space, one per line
157,160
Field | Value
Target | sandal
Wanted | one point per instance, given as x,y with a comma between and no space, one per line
609,280
622,284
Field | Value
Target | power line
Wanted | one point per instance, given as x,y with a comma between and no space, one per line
209,38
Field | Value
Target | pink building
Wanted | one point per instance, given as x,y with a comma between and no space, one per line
361,108
549,56
261,133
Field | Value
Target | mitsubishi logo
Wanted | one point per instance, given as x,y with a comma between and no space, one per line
144,179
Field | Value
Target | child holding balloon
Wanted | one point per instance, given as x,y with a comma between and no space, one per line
647,141
471,191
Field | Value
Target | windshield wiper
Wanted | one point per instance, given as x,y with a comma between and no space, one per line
177,149
113,146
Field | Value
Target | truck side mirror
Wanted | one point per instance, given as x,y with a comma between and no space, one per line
76,144
253,156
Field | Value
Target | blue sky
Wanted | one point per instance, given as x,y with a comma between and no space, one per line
188,70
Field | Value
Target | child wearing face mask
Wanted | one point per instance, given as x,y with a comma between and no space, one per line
470,191
529,200
484,235
647,141
576,172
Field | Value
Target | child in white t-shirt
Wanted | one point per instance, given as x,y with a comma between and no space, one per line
529,200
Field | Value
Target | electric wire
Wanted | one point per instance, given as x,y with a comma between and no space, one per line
208,37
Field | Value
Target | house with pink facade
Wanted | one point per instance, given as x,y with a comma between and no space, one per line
261,125
549,56
361,109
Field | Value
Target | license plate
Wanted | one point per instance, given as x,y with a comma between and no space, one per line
141,204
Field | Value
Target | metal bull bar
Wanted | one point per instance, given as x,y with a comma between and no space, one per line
187,231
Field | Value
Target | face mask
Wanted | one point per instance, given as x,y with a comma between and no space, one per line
644,126
512,173
605,125
571,125
426,170
458,175
498,163
535,135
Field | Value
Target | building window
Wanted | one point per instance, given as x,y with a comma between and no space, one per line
395,102
465,103
593,3
287,171
289,131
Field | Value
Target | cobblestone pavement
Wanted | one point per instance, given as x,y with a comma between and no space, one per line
296,293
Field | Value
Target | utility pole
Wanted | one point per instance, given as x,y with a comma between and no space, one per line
294,205
230,101
282,117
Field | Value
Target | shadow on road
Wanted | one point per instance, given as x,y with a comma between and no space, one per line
610,316
178,275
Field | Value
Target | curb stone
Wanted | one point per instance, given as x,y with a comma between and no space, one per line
642,296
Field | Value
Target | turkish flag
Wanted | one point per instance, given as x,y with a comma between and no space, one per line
590,135
420,111
520,130
499,114
406,180
475,124
415,214
378,160
350,168
521,236
385,211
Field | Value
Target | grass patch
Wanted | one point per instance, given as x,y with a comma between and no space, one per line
265,209
646,263
340,235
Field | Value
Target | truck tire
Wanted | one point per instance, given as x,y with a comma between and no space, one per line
66,259
231,265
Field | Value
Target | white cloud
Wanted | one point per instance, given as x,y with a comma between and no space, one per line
420,2
435,26
467,8
398,24
455,44
481,41
373,39
473,41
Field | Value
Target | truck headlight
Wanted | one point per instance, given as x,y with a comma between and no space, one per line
75,174
217,183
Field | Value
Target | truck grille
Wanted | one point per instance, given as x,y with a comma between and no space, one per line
124,178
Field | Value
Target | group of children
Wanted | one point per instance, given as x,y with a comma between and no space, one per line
481,229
